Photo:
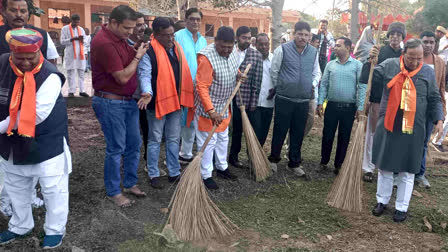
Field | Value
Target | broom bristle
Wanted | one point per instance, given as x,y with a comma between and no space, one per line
193,215
345,193
257,156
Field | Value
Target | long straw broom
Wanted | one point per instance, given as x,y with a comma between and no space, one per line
258,158
193,215
345,193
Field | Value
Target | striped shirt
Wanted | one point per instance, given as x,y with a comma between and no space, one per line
340,83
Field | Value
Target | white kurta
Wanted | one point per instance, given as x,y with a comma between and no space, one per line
69,59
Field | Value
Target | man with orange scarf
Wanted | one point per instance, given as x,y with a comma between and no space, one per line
75,55
410,97
170,88
33,137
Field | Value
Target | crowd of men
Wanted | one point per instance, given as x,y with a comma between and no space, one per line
171,86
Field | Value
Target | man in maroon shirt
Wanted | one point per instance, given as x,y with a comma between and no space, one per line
114,64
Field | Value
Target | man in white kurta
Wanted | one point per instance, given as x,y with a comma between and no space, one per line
75,55
23,154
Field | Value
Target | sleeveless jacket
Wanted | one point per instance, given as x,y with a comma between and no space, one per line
48,141
225,71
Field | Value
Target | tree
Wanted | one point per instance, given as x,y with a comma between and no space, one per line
354,24
435,12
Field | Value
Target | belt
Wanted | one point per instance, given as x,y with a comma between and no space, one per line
112,96
342,104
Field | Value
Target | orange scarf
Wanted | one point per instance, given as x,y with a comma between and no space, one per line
81,46
404,95
24,97
167,99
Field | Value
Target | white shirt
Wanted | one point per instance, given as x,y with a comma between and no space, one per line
240,54
46,98
69,59
52,53
443,53
87,40
266,84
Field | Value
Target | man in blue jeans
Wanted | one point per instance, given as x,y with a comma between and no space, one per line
169,83
114,65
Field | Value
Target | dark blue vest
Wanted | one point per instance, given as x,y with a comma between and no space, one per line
4,46
48,141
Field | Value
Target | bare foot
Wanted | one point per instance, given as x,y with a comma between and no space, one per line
135,191
121,201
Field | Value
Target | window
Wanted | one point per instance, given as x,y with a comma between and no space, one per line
209,30
55,16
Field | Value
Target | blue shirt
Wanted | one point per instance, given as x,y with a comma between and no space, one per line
340,83
185,38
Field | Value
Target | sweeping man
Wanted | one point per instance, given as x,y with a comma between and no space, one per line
33,137
215,81
396,34
410,97
75,55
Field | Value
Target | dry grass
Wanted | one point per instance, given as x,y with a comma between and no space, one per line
258,158
345,193
193,214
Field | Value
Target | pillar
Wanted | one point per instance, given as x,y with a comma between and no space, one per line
88,16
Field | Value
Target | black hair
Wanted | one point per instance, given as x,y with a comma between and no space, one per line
242,30
261,35
178,25
428,34
5,3
314,37
148,31
347,41
323,21
161,23
411,44
75,17
139,15
191,11
66,20
301,25
122,12
226,34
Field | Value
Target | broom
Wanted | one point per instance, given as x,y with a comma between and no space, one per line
193,215
345,193
260,163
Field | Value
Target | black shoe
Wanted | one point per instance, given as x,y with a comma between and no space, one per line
84,94
399,216
378,210
226,174
336,170
323,167
211,184
236,164
183,160
71,95
437,147
174,179
155,183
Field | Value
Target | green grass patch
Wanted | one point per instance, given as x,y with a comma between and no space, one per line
296,208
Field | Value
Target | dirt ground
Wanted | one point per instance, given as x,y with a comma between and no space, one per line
95,224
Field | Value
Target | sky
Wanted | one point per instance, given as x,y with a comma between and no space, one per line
317,8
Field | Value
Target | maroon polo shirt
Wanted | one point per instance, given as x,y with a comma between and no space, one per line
111,54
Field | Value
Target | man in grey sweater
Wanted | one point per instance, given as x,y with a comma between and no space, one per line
294,74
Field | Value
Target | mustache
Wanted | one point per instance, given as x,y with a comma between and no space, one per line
19,19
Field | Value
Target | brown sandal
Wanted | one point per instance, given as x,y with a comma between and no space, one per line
135,191
121,201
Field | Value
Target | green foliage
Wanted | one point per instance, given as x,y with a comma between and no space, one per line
435,12
33,9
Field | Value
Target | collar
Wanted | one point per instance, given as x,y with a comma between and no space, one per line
110,34
269,58
238,49
349,60
131,42
191,34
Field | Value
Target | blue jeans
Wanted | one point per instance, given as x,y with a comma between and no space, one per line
119,122
429,127
170,125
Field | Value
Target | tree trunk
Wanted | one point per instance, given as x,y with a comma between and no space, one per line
182,6
354,26
276,23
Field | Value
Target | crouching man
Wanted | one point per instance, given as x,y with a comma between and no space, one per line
33,137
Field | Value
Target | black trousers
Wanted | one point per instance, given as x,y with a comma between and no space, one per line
338,116
290,116
144,128
237,130
262,118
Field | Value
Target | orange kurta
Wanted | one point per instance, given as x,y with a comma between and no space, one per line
204,79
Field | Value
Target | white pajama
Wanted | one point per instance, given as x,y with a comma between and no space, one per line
367,165
404,189
216,147
71,79
188,134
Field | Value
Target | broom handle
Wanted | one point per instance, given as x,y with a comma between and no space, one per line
238,84
373,62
